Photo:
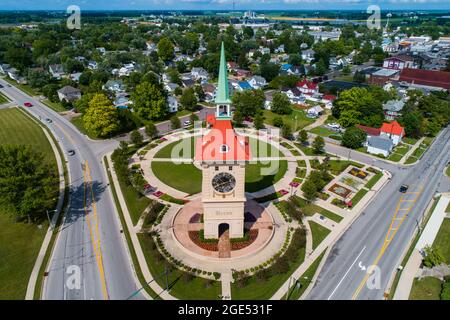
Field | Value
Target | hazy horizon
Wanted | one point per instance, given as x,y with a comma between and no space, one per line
224,5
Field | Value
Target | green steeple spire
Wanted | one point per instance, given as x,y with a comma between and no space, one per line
223,94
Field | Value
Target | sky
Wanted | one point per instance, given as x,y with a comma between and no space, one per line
224,4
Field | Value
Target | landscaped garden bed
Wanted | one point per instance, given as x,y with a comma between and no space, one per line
212,244
340,190
356,172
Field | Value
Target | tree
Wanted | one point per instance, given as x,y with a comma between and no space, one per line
286,131
353,138
281,103
248,102
258,121
149,101
101,117
412,121
433,256
136,137
28,184
188,99
175,122
151,130
349,118
278,122
269,70
165,49
303,137
309,190
238,118
318,144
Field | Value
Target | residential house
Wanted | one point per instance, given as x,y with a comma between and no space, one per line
308,55
328,100
187,82
307,87
102,50
69,93
170,87
379,145
434,80
257,82
314,112
4,68
399,62
198,73
243,85
122,101
56,70
241,73
151,46
114,86
232,66
75,76
264,50
209,90
371,132
173,104
393,131
293,94
92,65
392,109
280,49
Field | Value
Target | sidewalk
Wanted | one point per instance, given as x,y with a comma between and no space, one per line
427,238
410,151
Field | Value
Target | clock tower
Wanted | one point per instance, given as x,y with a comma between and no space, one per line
222,155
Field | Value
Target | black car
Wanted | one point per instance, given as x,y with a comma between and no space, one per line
1,86
71,152
403,188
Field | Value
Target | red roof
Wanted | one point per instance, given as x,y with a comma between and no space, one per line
426,77
369,130
393,128
209,147
308,84
402,57
329,97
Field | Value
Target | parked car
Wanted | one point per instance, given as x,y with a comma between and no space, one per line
403,188
187,122
1,86
71,152
28,104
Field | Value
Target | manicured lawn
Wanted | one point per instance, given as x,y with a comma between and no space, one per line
19,246
3,98
302,121
443,239
184,177
186,151
358,196
264,290
256,177
318,233
395,157
428,288
20,242
305,279
306,150
402,149
321,131
78,122
338,166
56,106
373,180
195,289
410,160
310,209
409,140
448,171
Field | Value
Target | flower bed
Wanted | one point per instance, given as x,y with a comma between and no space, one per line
340,190
358,173
212,244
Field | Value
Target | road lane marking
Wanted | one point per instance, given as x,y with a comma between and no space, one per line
389,237
95,244
346,273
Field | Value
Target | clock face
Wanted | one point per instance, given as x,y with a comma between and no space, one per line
223,182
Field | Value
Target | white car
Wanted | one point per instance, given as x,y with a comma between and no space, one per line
187,123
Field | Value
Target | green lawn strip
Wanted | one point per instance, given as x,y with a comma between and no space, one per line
373,180
428,288
269,197
137,267
181,176
194,289
411,141
56,106
411,159
186,151
24,87
338,166
264,290
395,157
310,209
443,239
305,279
3,98
136,202
321,131
20,242
301,163
306,150
447,171
257,179
301,122
358,196
318,232
169,198
78,123
418,152
427,141
300,172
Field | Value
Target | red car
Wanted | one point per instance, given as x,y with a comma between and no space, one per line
28,104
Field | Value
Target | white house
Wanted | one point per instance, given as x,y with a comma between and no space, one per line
93,65
393,131
379,145
257,82
114,86
173,104
314,112
199,73
56,70
69,93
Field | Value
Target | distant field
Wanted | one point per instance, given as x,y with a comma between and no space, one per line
19,242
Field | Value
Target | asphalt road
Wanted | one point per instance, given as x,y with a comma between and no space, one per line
382,232
90,243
